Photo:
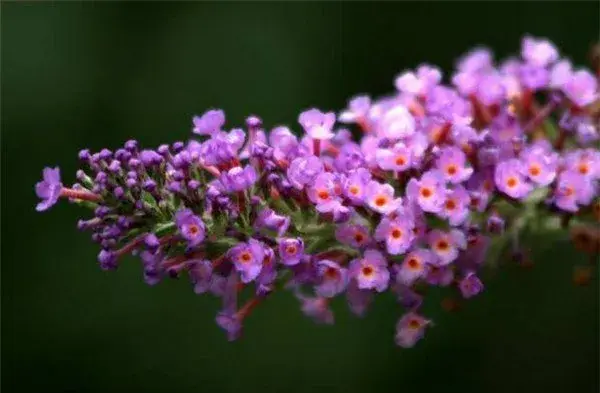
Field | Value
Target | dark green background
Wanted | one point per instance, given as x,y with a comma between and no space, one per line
92,75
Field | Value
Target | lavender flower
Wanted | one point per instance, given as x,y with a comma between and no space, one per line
291,251
190,226
370,271
332,279
48,189
439,174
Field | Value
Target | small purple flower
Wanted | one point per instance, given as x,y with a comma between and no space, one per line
573,189
238,178
355,185
440,275
495,224
414,266
560,74
358,108
316,124
332,279
380,197
291,251
509,179
420,83
150,158
356,236
446,245
396,123
410,329
304,170
370,271
358,299
397,159
397,234
478,60
48,189
209,123
538,52
248,259
230,323
325,189
456,206
428,192
539,164
153,269
269,219
533,77
451,163
200,272
586,162
107,259
470,285
350,157
317,308
190,226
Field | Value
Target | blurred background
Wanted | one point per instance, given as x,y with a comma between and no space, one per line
93,75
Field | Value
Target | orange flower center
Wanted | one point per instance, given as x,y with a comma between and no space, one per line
512,182
534,170
353,190
245,257
443,245
323,194
426,192
368,270
583,168
380,201
414,324
450,204
413,263
451,169
569,191
400,160
193,229
291,249
396,233
359,237
331,273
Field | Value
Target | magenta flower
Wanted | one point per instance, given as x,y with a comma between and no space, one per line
397,159
586,162
325,189
370,271
456,206
581,88
238,178
248,259
420,83
573,189
332,279
538,52
410,329
396,123
540,165
191,227
428,192
358,109
380,197
510,180
200,272
470,285
269,219
446,245
209,123
397,234
304,170
451,163
291,251
316,124
441,276
48,189
316,308
356,236
414,266
355,185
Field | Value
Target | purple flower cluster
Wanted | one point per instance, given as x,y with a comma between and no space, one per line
439,174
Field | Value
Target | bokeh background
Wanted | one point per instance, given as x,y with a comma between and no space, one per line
78,75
